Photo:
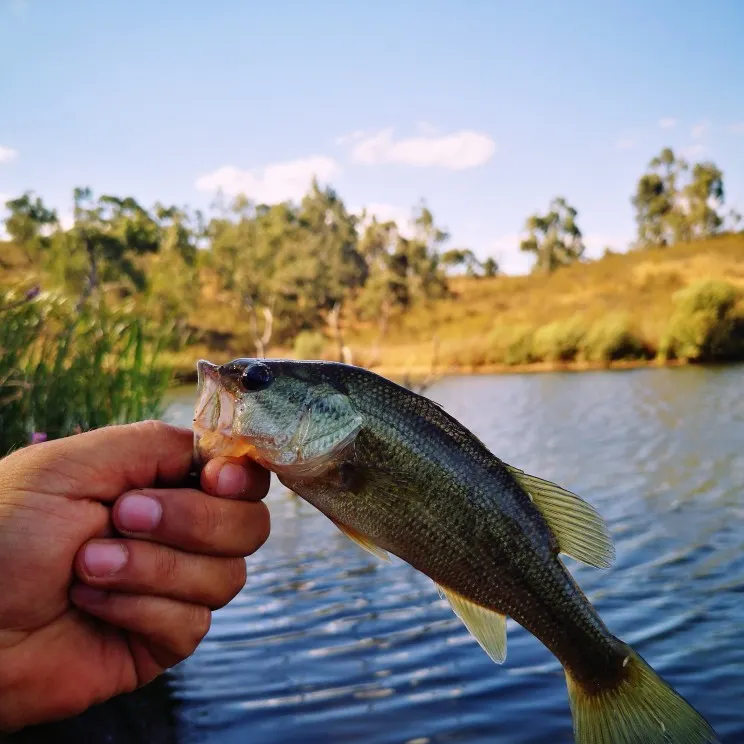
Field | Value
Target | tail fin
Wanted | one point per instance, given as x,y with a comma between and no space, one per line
641,709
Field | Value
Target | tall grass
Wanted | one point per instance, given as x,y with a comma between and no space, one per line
65,369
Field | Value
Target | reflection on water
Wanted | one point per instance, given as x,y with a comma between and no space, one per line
328,644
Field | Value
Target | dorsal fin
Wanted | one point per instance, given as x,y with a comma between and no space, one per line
362,541
579,529
486,626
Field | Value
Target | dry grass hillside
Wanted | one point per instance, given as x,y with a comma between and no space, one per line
489,323
614,311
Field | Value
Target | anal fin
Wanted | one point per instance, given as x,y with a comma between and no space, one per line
578,527
488,627
362,541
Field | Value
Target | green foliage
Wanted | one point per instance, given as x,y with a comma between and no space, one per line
704,326
27,223
560,341
611,339
554,238
668,210
309,345
511,345
65,369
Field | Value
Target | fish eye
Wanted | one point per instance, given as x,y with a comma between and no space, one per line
256,377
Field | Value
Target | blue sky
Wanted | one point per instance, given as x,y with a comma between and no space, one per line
485,109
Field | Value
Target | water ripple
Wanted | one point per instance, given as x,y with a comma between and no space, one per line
327,644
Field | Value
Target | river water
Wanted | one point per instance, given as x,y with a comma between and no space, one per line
327,644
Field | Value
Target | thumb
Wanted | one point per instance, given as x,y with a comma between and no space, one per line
103,463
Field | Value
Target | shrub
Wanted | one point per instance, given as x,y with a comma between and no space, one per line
511,345
309,345
610,339
559,341
704,325
64,369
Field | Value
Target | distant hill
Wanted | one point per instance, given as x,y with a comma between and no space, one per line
613,311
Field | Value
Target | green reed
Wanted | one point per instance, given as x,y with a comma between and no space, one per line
65,368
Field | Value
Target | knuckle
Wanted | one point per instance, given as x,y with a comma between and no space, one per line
199,623
235,577
183,639
259,527
154,427
210,522
166,565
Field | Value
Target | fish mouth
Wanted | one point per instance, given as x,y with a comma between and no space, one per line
214,417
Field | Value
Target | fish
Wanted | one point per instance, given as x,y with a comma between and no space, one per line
399,475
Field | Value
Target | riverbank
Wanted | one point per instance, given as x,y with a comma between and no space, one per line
650,308
187,375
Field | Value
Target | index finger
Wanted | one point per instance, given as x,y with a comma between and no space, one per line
235,478
104,463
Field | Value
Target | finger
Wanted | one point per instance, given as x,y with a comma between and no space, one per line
193,521
141,567
230,477
104,463
173,629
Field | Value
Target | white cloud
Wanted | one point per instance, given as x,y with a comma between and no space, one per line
273,183
699,130
344,139
737,128
625,144
456,151
693,150
402,216
668,123
7,154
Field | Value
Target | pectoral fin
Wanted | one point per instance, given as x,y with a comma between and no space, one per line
579,529
486,626
362,541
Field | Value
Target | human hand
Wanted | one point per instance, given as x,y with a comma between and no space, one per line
108,569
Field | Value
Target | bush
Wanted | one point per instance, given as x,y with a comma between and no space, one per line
309,345
704,326
511,345
64,370
610,339
559,341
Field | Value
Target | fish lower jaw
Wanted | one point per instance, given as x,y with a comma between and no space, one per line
211,443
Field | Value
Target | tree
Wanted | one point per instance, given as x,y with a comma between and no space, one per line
703,200
490,267
674,203
173,277
656,198
112,232
554,238
29,223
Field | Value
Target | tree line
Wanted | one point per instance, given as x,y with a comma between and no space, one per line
673,203
293,268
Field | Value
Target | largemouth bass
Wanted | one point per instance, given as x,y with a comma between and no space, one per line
397,474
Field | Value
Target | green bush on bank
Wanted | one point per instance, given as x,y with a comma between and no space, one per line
560,341
611,339
705,325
